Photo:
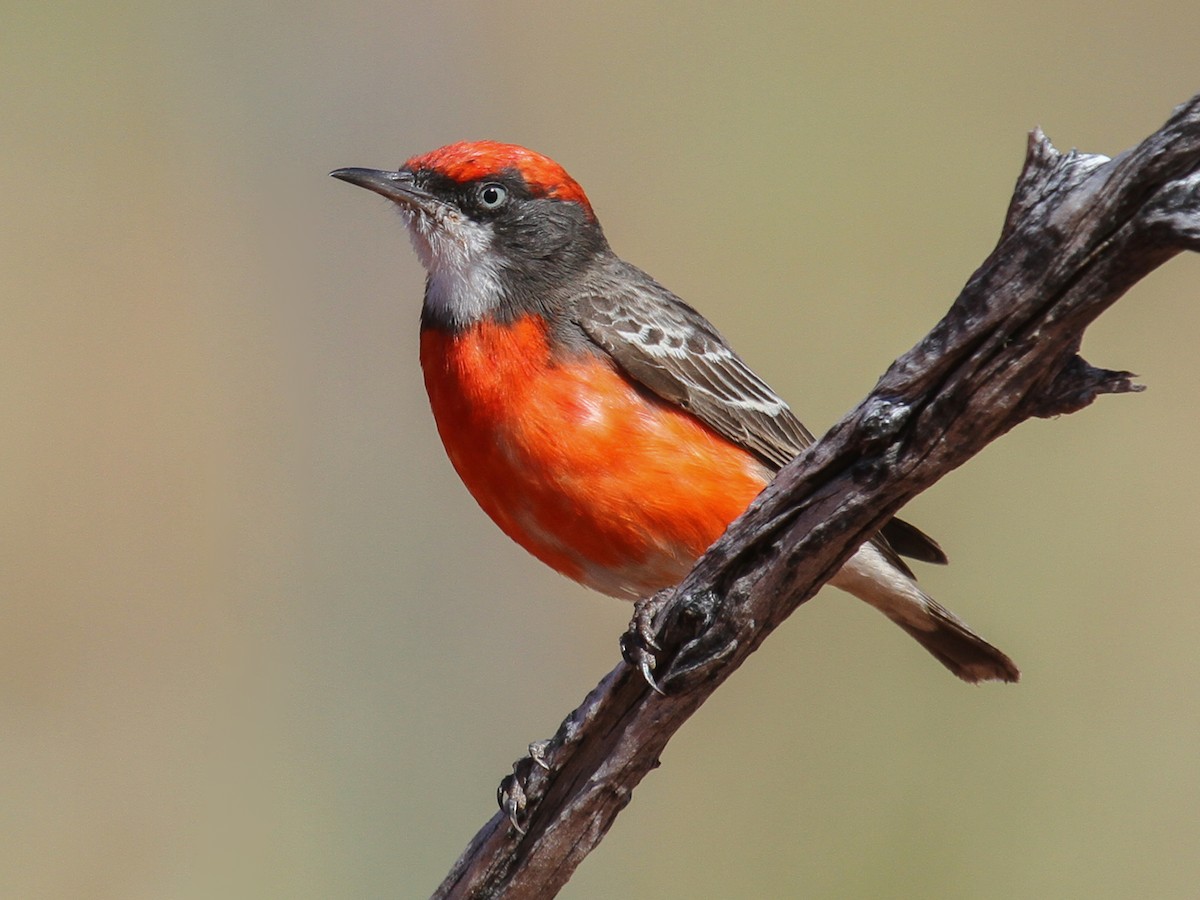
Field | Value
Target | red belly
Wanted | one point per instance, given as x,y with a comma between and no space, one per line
594,476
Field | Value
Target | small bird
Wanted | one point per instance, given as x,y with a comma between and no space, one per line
601,422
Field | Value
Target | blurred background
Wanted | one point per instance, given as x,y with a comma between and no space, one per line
258,641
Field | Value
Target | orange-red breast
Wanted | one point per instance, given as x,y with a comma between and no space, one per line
604,424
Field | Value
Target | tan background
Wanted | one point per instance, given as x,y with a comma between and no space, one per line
258,642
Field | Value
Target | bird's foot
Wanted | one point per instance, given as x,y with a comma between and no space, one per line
513,794
639,646
537,752
697,635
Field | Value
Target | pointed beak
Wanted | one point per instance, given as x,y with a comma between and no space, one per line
396,186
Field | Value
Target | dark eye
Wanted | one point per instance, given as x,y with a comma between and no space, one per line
492,196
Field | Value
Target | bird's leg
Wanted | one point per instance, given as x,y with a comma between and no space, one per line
511,797
638,644
698,640
513,794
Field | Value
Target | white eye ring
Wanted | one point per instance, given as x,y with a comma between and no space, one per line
493,196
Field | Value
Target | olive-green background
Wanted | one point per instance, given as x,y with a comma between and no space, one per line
257,641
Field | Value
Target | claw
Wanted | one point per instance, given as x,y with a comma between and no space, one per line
537,752
647,669
638,644
642,623
510,796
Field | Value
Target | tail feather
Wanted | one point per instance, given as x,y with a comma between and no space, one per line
960,649
869,576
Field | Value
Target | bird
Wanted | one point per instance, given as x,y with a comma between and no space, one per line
600,421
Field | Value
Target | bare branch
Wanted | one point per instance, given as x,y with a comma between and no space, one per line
1080,230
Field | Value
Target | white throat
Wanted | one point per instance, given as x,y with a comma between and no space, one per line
464,284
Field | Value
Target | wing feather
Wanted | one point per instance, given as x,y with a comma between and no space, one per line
670,348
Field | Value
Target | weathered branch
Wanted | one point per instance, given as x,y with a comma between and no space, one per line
1081,229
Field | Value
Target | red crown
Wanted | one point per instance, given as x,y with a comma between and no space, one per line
478,160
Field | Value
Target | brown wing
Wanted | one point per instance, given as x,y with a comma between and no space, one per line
670,348
661,342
